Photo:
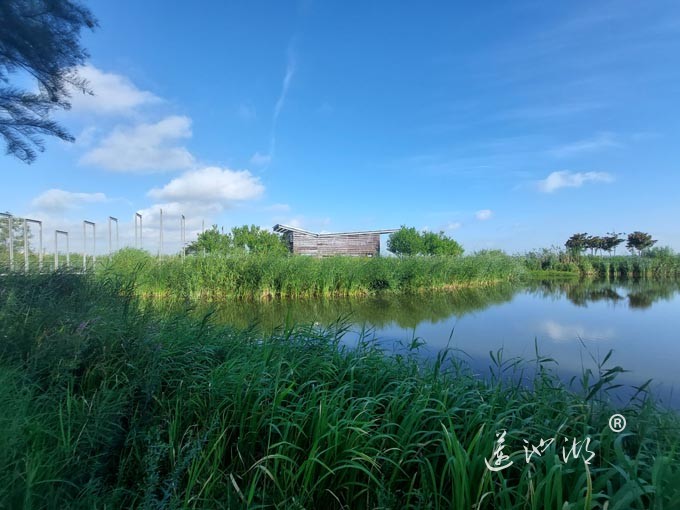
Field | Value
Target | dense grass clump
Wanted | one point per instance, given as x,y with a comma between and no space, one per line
255,276
106,405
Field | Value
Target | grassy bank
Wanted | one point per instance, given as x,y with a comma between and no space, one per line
107,406
256,276
659,263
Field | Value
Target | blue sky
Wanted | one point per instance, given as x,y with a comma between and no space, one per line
507,125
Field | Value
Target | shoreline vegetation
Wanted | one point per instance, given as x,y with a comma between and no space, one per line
262,276
255,276
107,403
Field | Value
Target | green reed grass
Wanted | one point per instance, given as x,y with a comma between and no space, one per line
656,263
253,276
108,405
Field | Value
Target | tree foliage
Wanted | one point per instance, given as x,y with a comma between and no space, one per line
577,243
611,241
41,39
17,235
408,241
210,241
405,241
251,239
639,241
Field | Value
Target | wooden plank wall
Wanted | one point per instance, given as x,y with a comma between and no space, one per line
361,245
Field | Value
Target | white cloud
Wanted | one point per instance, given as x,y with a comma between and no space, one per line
195,214
113,94
601,141
484,214
567,179
211,185
453,226
278,107
144,147
570,332
86,136
57,200
287,78
258,159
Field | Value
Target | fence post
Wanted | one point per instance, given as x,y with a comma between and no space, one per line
11,243
25,246
94,246
160,245
183,227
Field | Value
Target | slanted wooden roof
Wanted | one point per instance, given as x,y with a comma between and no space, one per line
282,229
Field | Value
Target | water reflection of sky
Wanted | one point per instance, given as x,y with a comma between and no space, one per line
644,338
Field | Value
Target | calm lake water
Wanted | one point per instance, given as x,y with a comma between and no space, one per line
571,321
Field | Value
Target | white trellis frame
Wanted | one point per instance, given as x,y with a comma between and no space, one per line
10,240
40,243
94,246
56,249
113,220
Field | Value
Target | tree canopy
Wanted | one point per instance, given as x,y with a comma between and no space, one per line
250,239
408,241
639,241
40,39
577,243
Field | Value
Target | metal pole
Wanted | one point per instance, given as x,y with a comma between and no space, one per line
94,235
25,246
138,236
11,243
202,231
160,246
84,249
111,218
40,249
117,240
183,225
56,251
68,252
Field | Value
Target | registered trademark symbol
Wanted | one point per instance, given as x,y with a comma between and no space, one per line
617,423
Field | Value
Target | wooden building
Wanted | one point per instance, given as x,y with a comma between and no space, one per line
360,244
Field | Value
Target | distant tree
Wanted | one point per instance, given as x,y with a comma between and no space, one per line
408,241
611,241
440,244
639,241
405,241
253,239
595,243
577,243
40,39
249,239
210,241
